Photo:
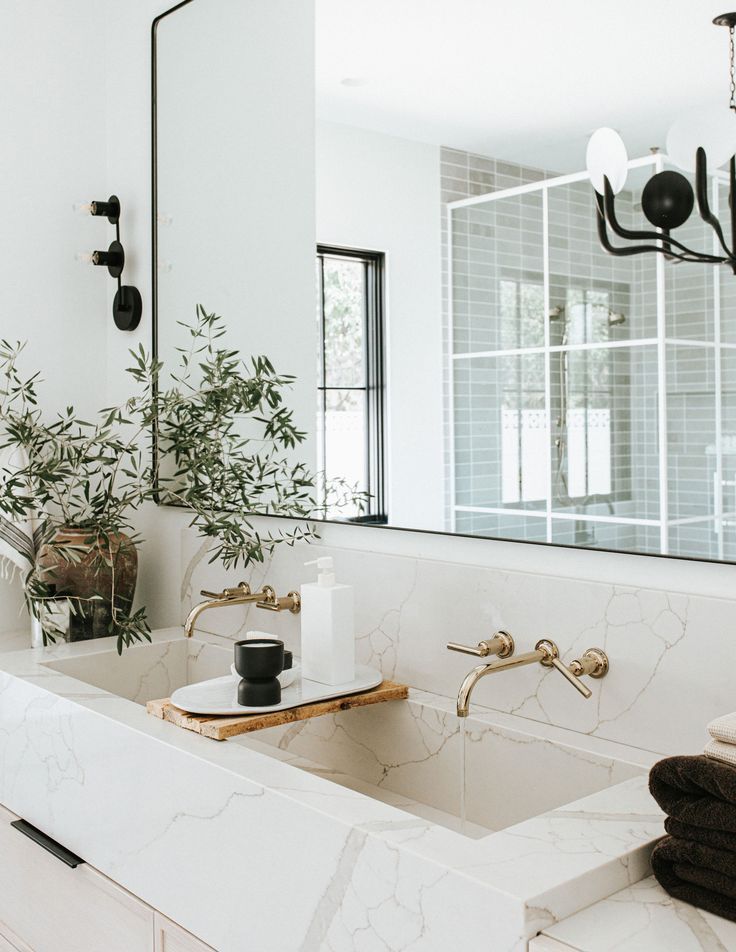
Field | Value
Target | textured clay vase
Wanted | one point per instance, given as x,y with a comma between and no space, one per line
92,576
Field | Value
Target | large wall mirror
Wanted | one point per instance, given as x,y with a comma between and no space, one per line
398,214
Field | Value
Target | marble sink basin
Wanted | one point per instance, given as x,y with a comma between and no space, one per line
146,672
354,816
408,754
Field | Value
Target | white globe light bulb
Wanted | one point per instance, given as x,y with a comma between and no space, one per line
712,128
606,156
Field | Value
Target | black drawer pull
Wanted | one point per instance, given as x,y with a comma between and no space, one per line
56,849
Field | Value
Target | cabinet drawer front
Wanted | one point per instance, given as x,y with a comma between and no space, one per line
7,946
172,938
545,943
49,906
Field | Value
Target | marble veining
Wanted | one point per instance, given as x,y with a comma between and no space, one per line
407,609
135,796
643,918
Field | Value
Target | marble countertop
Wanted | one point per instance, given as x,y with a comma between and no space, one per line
638,918
66,747
643,918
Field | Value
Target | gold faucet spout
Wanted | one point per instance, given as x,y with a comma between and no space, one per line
474,676
241,595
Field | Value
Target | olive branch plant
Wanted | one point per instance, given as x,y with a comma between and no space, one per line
219,440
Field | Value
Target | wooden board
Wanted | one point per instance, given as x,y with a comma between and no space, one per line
220,728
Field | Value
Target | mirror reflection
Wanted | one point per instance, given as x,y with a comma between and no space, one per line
466,354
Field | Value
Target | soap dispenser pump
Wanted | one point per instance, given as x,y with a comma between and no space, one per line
328,632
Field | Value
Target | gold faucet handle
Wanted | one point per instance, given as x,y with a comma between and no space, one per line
551,659
286,603
501,644
242,589
594,663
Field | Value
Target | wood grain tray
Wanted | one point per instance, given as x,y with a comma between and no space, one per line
220,728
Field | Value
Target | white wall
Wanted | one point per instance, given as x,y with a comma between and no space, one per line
53,121
381,193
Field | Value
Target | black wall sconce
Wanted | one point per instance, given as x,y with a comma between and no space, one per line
127,306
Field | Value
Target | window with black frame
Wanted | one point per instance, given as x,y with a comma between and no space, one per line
350,379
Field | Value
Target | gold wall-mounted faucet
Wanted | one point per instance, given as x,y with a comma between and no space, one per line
593,663
242,595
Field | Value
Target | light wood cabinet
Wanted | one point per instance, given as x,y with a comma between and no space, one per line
545,943
6,946
46,906
170,937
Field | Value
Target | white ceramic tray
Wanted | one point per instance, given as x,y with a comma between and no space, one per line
219,695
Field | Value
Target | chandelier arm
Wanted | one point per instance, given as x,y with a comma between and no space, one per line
636,235
701,191
731,201
618,251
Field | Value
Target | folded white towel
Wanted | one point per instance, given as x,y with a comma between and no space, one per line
723,728
19,535
718,750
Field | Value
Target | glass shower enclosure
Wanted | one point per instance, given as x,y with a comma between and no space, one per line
592,398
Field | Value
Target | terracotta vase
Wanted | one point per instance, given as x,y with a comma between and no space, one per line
106,561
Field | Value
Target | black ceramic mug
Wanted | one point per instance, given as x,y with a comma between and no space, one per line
259,661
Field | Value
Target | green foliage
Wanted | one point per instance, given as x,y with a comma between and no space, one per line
225,450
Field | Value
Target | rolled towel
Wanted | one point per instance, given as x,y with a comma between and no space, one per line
697,874
723,729
719,750
697,790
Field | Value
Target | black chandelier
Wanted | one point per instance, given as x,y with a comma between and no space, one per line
667,199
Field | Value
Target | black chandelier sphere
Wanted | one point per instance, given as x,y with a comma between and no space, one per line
667,200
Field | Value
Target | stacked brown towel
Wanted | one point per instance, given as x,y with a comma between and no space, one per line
697,861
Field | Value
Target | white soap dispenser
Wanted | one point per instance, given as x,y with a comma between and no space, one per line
328,631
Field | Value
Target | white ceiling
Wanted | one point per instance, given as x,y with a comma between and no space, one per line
526,81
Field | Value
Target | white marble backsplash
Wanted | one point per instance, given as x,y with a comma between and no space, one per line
672,655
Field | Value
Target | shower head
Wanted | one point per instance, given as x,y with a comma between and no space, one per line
615,318
556,313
